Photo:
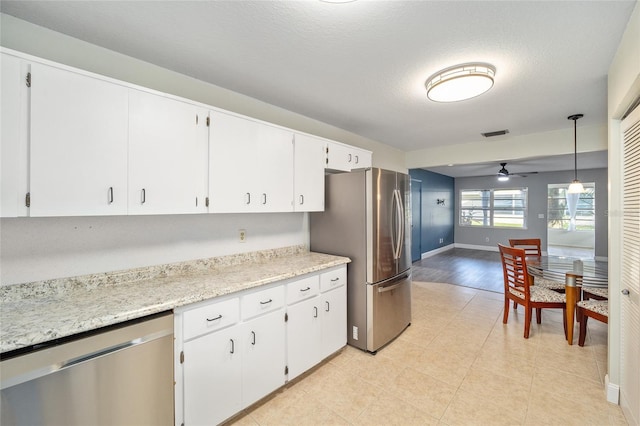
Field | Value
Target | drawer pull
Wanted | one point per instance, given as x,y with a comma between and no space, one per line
305,289
328,307
214,319
233,346
253,334
335,279
267,302
315,312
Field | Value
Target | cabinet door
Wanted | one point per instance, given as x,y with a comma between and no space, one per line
308,177
78,148
13,142
334,320
345,158
361,158
168,150
212,377
304,335
263,360
339,157
250,166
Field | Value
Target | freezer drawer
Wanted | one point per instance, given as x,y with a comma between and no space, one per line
388,310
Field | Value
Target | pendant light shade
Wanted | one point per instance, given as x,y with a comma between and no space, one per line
576,186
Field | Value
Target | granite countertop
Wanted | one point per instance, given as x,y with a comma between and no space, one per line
42,311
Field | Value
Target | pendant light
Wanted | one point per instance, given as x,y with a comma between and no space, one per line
575,187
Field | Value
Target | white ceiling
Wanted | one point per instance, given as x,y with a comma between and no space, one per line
361,66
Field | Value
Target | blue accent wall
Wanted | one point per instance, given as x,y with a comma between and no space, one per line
437,219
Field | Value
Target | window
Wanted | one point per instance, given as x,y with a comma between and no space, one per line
499,208
571,212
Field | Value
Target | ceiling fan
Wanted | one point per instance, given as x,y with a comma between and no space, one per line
504,175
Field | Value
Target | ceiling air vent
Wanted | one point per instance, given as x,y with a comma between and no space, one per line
496,133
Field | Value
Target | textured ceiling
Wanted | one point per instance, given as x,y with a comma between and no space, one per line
361,66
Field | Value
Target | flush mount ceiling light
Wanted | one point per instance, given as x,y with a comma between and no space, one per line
575,187
460,82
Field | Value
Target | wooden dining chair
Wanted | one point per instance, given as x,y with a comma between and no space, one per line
517,288
595,293
531,246
585,309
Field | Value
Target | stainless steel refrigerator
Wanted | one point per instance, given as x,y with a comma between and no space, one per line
366,218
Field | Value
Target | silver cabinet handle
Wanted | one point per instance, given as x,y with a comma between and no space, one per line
335,279
267,302
315,312
264,198
110,194
328,307
305,289
233,346
144,196
349,158
253,340
357,159
247,198
625,292
301,199
215,319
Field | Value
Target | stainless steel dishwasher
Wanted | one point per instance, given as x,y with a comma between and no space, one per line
121,376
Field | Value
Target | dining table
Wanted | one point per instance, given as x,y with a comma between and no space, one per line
577,274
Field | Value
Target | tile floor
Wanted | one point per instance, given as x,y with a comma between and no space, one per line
457,364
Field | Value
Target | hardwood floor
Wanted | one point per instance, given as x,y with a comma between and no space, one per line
477,269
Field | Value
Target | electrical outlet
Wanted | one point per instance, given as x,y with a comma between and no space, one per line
242,235
441,240
355,333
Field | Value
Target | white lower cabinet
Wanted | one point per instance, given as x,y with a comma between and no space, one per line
317,324
233,351
212,378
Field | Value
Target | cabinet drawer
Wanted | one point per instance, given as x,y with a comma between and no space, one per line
262,301
211,317
302,289
333,279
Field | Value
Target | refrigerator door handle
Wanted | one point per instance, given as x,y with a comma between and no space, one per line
398,230
401,219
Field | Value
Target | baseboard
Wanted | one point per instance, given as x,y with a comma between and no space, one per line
476,247
612,391
436,251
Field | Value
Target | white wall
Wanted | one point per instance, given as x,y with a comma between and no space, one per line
592,138
34,249
623,87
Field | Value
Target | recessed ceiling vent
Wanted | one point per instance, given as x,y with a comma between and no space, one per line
495,133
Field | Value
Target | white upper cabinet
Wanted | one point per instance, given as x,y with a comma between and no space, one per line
78,144
13,142
250,166
308,179
345,158
168,152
